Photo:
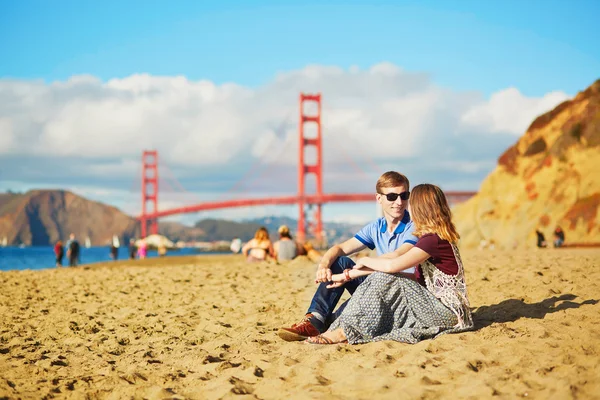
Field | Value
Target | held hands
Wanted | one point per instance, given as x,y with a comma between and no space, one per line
336,280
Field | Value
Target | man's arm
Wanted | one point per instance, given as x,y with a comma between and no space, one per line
346,248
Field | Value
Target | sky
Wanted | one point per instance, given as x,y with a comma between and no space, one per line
436,90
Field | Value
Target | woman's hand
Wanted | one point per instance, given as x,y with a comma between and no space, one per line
336,280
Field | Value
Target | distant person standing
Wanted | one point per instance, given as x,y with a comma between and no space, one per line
114,252
59,252
541,239
132,249
559,237
236,245
142,250
73,250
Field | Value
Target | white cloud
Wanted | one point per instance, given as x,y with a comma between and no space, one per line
211,135
508,111
6,134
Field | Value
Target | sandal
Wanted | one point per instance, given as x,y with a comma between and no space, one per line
320,339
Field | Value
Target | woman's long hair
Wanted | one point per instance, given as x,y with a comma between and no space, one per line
262,234
431,213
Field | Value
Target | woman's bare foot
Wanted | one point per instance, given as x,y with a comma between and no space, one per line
329,337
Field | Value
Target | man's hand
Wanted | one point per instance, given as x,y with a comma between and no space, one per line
323,274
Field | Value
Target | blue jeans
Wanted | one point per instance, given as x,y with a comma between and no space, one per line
325,300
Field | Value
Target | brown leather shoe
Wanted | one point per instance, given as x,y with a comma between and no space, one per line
300,331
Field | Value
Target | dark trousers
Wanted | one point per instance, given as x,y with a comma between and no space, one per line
325,300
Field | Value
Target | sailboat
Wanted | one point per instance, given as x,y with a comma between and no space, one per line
88,242
4,242
115,241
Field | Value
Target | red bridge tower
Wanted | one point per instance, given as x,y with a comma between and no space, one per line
149,191
305,169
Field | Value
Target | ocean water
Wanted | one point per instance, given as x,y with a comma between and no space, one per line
42,257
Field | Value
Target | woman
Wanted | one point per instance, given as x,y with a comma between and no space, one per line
59,252
260,248
394,307
142,250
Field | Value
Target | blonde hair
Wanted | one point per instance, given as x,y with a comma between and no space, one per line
391,179
431,213
284,231
262,234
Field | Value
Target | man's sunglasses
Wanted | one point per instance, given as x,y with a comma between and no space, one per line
394,196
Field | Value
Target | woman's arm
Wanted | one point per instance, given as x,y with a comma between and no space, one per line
393,265
338,280
271,251
247,247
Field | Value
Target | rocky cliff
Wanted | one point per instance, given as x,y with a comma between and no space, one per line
41,217
549,178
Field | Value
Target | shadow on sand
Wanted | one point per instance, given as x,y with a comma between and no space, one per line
513,309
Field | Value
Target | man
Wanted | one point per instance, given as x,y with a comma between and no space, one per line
73,250
391,233
132,249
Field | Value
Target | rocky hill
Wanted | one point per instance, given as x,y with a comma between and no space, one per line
549,178
41,217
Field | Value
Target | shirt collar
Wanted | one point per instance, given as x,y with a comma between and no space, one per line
400,228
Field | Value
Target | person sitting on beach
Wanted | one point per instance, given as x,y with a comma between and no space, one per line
285,249
260,248
310,252
393,231
390,306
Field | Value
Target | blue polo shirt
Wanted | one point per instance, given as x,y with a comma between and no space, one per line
376,236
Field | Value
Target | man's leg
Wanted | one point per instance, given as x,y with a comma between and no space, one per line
324,301
322,305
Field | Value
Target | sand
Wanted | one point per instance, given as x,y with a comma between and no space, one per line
205,328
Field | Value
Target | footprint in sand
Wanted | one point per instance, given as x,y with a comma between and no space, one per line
240,387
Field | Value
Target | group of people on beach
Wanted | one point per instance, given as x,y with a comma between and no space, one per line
73,251
261,248
413,290
559,238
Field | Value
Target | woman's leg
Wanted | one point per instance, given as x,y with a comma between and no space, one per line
329,337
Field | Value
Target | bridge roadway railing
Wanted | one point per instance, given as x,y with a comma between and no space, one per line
453,197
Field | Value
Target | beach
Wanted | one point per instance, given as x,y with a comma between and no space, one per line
206,328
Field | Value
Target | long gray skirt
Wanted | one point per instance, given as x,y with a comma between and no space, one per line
391,307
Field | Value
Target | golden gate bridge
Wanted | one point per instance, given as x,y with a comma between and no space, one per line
306,201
